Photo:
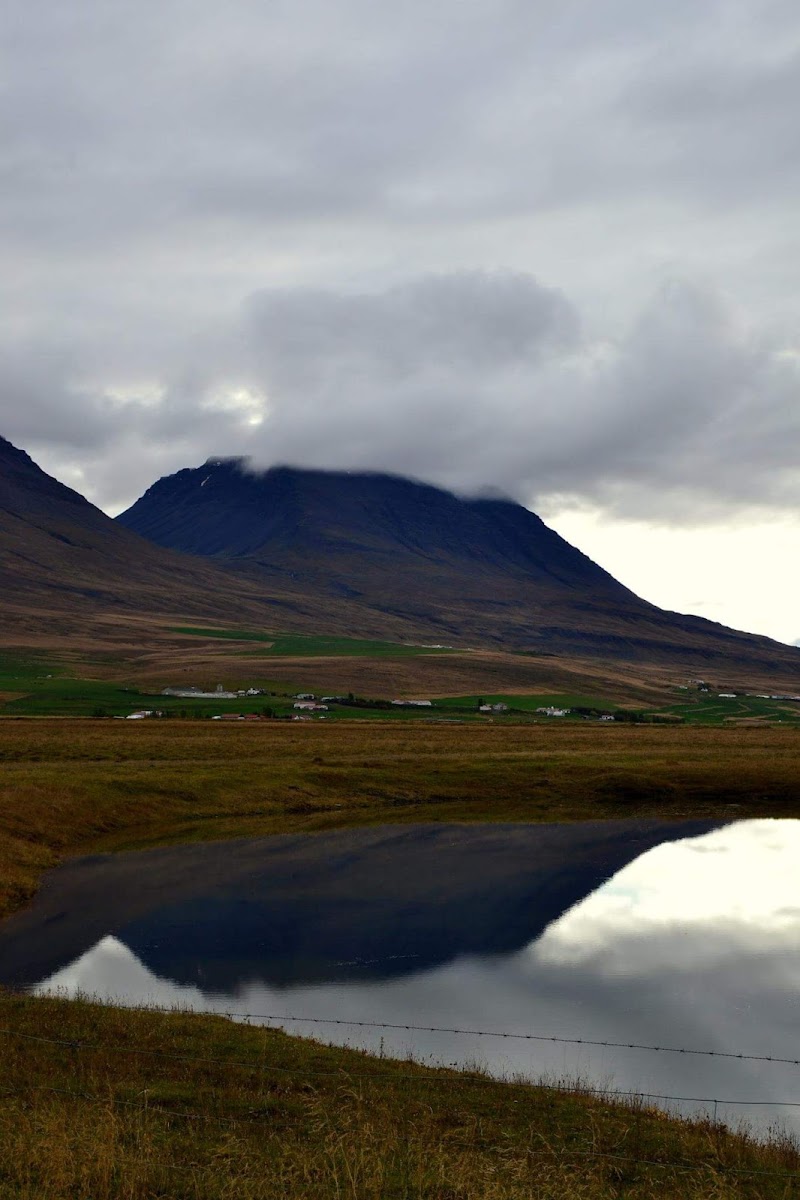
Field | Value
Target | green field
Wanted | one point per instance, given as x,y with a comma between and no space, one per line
33,688
296,645
529,704
706,708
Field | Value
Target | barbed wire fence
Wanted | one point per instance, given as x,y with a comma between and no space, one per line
420,1076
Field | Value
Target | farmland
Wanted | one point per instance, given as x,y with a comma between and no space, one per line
311,646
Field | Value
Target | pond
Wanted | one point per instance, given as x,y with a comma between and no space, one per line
684,936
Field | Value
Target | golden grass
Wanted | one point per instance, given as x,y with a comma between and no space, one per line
142,1105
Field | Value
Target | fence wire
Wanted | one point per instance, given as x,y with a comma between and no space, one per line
444,1076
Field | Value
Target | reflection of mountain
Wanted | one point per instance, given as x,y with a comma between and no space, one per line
353,904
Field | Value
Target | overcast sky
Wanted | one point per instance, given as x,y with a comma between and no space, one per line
546,247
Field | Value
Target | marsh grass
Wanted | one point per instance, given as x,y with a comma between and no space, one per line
142,1104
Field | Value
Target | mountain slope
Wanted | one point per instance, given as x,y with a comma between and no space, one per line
485,572
61,557
277,516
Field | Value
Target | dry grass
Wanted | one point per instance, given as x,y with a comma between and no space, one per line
145,650
142,1105
459,673
80,786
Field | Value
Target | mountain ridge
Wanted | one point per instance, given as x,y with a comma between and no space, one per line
482,569
358,554
244,525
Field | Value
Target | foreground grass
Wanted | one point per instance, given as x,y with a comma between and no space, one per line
70,787
98,1102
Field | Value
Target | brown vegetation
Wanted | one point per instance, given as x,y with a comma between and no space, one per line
102,1103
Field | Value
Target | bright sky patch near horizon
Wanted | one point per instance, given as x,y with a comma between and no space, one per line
546,248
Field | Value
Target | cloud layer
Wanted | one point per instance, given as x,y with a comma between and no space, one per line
442,241
470,380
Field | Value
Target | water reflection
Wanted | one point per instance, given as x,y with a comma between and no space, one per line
693,944
353,904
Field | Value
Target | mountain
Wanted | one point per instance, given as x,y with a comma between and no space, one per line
62,560
394,553
343,553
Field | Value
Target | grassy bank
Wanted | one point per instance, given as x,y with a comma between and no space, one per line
103,1103
106,1103
73,787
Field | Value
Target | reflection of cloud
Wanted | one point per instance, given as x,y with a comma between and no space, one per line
740,883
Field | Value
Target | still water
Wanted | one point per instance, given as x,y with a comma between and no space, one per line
679,935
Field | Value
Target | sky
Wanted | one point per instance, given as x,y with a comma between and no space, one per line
547,248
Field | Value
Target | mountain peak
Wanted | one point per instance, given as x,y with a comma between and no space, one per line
234,461
352,522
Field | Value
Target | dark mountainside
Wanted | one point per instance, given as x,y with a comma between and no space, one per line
64,560
469,572
222,509
323,552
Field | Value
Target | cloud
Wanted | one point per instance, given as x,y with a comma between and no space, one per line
475,379
469,380
679,885
274,229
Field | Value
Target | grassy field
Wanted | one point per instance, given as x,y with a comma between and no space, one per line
529,704
38,686
31,687
100,1103
709,709
115,681
40,693
310,646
